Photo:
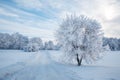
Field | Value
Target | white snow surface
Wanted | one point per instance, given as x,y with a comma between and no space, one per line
45,65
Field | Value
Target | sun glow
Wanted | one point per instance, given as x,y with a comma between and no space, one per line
109,12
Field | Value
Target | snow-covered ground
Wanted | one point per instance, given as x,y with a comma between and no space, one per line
44,65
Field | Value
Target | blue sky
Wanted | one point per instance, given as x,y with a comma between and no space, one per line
41,18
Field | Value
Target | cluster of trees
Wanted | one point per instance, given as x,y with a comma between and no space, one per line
20,42
14,41
113,43
36,44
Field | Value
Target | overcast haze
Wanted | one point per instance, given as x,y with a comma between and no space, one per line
41,18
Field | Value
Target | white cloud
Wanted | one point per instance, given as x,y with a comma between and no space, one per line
26,30
102,10
28,24
7,13
30,4
105,11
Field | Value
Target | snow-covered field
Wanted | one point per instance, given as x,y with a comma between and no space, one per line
44,65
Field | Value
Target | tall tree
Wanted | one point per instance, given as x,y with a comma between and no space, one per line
81,38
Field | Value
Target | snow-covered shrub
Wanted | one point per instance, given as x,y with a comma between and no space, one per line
31,47
81,38
106,48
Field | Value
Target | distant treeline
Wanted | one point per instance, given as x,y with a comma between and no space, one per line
20,42
113,43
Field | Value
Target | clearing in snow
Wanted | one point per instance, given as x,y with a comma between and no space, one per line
44,65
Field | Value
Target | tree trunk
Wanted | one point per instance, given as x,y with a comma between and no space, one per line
79,61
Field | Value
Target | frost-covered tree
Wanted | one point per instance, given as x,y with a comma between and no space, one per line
57,46
49,45
5,41
113,43
81,38
37,41
119,44
33,45
19,41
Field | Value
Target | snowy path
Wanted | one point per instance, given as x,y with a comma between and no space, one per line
41,66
